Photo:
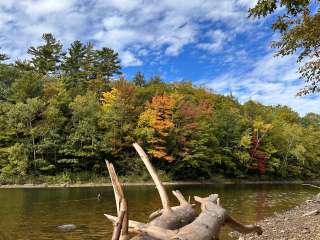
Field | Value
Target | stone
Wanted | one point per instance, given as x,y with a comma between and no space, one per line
67,227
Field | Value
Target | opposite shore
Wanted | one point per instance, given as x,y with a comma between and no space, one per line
92,184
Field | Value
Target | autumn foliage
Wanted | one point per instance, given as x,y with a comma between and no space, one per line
159,117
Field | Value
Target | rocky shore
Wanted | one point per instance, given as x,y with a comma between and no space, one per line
299,223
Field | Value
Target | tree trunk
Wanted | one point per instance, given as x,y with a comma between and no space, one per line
179,222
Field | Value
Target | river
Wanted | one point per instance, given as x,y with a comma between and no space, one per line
35,213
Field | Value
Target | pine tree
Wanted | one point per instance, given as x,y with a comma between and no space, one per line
106,63
46,58
139,80
154,80
88,62
73,67
3,57
73,62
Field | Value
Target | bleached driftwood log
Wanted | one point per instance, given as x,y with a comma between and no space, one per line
120,231
205,227
179,222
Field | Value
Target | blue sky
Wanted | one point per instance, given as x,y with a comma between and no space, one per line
209,42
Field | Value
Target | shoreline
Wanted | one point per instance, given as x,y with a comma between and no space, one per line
300,222
174,183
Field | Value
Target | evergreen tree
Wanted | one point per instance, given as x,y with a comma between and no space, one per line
106,63
139,80
46,58
28,85
3,57
73,61
154,80
88,62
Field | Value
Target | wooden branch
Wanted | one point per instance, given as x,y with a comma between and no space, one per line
155,177
311,185
121,227
117,189
180,197
132,224
118,226
205,227
242,228
312,213
159,212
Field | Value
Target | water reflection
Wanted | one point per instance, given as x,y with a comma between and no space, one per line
36,213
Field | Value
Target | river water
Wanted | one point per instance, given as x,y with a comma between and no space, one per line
36,213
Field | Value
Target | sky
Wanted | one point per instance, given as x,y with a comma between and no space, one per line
209,42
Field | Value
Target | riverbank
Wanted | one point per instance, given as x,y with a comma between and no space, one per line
299,223
107,184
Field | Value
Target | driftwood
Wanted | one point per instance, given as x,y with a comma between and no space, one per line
121,225
178,222
168,217
317,198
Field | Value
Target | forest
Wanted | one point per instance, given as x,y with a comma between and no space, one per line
64,111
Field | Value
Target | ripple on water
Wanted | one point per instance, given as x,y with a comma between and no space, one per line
36,213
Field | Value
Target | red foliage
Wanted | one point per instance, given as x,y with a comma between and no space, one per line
257,154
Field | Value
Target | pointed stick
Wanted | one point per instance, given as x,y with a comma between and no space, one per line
155,177
117,189
180,197
122,208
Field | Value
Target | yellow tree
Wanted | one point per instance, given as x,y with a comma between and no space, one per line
156,123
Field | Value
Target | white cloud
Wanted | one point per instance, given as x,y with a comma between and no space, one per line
152,31
43,7
218,39
128,59
165,25
271,81
114,22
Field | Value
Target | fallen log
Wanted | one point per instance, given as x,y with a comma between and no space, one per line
205,227
178,222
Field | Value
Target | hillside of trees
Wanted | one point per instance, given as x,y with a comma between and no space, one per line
66,112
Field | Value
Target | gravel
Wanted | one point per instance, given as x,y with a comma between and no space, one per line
299,223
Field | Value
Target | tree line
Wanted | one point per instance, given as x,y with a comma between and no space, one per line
66,112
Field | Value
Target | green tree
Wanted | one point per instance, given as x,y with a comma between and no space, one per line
46,58
106,63
154,80
139,80
311,119
3,57
117,122
82,146
299,26
22,119
8,74
73,61
27,85
16,162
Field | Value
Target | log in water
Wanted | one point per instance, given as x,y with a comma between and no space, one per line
36,213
